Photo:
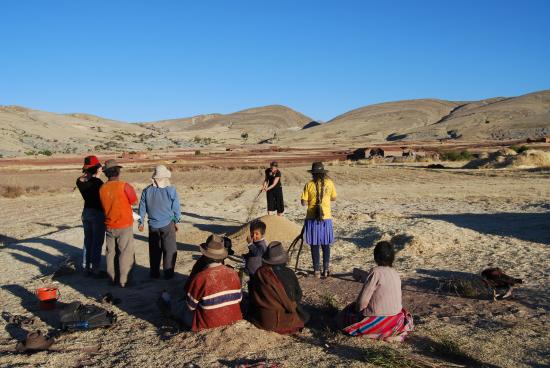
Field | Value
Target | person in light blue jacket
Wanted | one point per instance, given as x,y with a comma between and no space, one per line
160,202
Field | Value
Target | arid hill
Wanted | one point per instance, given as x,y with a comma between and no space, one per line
492,119
246,126
174,125
26,131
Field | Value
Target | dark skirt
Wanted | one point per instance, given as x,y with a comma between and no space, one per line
275,200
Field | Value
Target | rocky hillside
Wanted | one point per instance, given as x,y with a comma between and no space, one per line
254,125
33,132
29,132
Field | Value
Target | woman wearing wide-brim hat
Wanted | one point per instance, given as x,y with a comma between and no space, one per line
93,219
318,194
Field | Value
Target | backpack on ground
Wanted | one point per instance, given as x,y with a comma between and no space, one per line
78,316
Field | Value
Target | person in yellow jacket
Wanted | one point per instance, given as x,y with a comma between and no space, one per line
318,194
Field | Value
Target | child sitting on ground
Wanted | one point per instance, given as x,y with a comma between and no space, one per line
256,249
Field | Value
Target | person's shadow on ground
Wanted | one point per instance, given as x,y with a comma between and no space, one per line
138,299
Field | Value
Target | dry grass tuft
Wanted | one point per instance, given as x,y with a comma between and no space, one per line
330,302
365,162
465,288
425,159
16,191
12,191
387,357
507,159
531,158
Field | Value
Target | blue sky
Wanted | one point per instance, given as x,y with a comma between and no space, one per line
149,60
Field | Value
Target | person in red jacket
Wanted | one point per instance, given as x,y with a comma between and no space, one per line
214,294
117,198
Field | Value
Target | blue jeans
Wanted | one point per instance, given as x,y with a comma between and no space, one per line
316,257
93,222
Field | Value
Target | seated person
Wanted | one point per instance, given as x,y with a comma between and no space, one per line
214,292
202,264
377,313
253,259
275,294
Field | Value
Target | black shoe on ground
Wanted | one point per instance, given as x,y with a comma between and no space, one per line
168,274
100,275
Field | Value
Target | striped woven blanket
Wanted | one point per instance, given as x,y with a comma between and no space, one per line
389,328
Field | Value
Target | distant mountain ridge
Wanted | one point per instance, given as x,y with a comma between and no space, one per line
500,118
26,131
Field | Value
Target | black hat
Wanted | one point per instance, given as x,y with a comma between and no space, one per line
275,254
274,164
318,168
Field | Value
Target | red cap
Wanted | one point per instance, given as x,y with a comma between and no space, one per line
90,161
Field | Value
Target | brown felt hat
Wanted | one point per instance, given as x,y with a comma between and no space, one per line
35,341
275,254
111,164
214,247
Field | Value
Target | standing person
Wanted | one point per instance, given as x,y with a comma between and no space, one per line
274,189
117,198
93,220
318,194
161,203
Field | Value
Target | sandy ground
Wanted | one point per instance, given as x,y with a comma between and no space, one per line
454,222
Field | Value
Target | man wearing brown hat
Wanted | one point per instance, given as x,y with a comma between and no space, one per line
117,198
214,294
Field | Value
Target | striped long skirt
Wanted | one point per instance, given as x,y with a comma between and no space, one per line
389,328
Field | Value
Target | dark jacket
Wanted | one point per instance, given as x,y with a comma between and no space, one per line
253,258
292,288
270,306
90,192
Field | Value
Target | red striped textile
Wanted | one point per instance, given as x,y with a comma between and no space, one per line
394,328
